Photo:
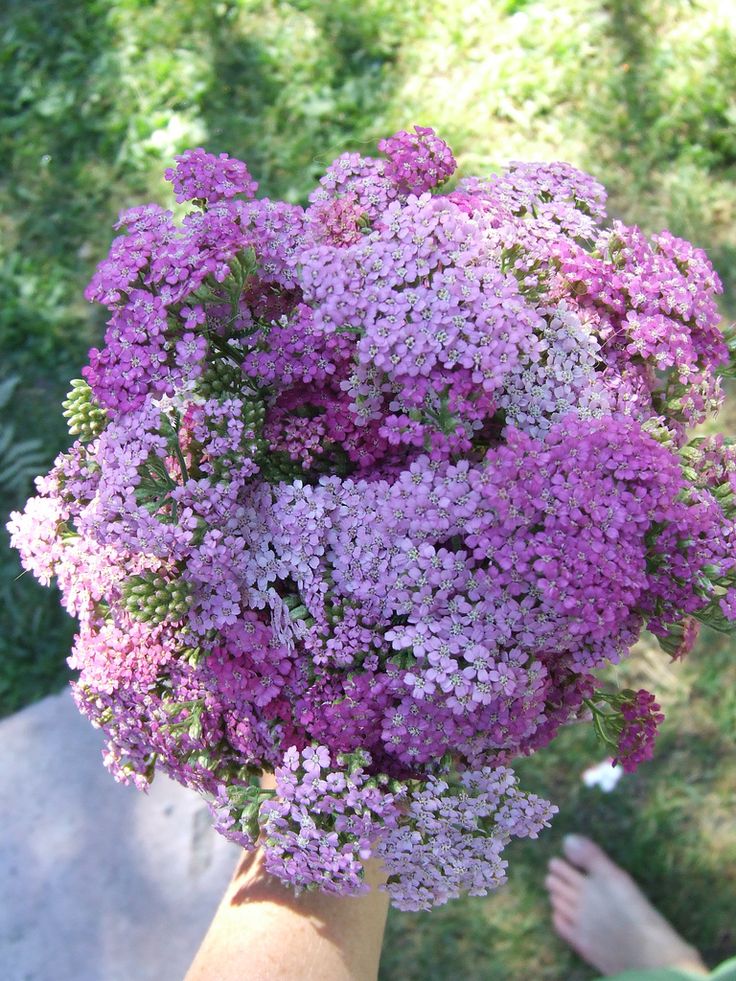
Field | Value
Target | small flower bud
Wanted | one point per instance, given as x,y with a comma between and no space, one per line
153,599
85,416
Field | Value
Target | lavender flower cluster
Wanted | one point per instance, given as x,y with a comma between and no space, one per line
365,492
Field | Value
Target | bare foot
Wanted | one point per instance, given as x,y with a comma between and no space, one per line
600,911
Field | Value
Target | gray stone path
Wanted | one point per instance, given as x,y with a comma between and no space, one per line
98,882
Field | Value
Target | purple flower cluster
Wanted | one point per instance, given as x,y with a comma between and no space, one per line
628,722
641,717
321,825
365,492
199,175
418,161
450,840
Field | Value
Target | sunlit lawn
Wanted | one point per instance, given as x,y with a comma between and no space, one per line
96,97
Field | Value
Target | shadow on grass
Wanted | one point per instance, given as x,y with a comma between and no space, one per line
647,134
58,146
289,127
634,89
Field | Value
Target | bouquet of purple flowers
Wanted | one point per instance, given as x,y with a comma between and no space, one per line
364,492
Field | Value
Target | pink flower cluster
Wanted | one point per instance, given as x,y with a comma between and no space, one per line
641,716
200,175
366,491
418,161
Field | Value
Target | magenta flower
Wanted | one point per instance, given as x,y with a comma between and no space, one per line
202,175
642,719
418,161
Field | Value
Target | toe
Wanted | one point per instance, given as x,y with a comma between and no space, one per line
564,905
586,855
564,925
559,889
562,870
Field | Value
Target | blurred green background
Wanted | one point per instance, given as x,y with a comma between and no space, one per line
96,97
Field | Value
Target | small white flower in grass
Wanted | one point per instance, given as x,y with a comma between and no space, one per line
603,775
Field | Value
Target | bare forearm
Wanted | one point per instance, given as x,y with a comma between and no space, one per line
263,932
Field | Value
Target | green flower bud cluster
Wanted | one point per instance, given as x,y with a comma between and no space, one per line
222,379
357,760
193,655
188,718
245,804
725,496
254,419
660,432
279,466
85,416
298,611
608,720
153,599
673,639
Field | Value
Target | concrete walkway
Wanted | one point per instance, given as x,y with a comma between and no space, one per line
98,882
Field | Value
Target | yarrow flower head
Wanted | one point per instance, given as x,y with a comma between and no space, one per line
201,175
641,719
628,722
363,495
418,161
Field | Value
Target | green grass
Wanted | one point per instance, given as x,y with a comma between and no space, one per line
96,97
